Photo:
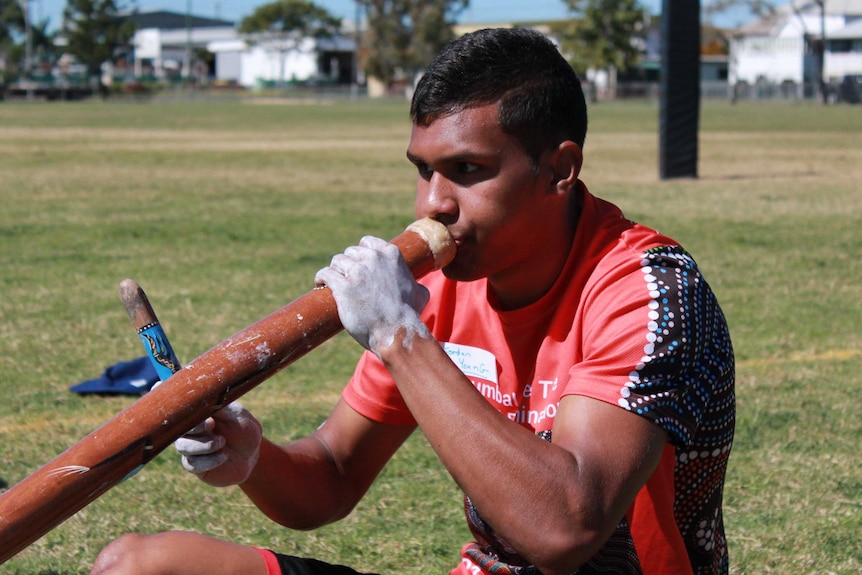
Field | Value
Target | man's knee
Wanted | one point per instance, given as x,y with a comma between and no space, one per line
124,556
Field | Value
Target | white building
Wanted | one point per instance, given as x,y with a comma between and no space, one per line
781,49
844,50
269,62
166,43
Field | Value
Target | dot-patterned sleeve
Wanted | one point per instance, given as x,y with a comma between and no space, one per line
660,339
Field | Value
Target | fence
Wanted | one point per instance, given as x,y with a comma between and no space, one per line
848,90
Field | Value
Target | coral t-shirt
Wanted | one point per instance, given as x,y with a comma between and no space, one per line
630,322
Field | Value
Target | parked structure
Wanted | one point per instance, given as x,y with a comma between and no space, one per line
260,64
165,43
170,45
779,55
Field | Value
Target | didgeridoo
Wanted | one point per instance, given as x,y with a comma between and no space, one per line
135,436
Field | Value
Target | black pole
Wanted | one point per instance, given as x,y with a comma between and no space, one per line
679,108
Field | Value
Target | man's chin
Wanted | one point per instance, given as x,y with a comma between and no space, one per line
458,273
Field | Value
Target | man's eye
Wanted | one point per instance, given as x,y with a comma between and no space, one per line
424,170
467,167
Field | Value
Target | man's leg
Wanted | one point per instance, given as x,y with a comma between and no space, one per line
177,553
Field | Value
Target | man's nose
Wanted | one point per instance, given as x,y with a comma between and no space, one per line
435,197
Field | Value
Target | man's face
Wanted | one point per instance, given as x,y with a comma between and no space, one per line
480,182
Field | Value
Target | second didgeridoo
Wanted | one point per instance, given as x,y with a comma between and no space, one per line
135,436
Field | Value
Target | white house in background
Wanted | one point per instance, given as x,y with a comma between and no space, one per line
164,41
780,49
844,50
257,64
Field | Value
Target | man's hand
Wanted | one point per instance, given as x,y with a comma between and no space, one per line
223,449
375,293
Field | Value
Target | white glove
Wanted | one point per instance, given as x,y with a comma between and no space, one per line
375,293
223,449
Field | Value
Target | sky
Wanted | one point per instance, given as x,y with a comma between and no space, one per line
480,11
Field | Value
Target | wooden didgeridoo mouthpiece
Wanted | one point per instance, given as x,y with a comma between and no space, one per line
135,436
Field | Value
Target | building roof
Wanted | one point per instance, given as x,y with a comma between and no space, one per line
770,24
847,8
165,20
831,7
843,7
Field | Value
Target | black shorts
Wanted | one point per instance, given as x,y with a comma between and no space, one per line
278,564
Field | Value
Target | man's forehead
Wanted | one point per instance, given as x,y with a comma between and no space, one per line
489,112
455,108
470,128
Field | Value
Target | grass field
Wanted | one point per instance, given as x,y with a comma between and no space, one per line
224,211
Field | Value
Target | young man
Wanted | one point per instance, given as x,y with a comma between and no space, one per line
571,368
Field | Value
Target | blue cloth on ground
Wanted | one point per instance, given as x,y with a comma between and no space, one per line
134,377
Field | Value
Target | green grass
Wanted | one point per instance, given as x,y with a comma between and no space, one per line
224,211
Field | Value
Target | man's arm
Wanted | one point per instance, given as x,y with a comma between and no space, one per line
556,503
304,484
321,478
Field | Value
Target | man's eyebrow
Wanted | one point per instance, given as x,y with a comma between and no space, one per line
454,158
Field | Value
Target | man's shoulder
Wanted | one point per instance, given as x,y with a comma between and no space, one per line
609,232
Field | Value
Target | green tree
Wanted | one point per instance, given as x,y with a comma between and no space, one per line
11,29
282,26
404,35
604,35
13,39
11,21
94,31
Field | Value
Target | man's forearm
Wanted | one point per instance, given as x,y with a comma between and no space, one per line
298,485
522,485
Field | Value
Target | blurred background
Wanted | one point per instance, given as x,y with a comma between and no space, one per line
73,49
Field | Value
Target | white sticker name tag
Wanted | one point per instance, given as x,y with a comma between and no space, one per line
473,362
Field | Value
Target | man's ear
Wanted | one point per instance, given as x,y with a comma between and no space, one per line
566,162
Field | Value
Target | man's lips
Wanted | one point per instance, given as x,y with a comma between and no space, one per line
457,238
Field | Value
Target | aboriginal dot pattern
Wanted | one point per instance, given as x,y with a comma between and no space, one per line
684,382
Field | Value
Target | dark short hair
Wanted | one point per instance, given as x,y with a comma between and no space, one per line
540,96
